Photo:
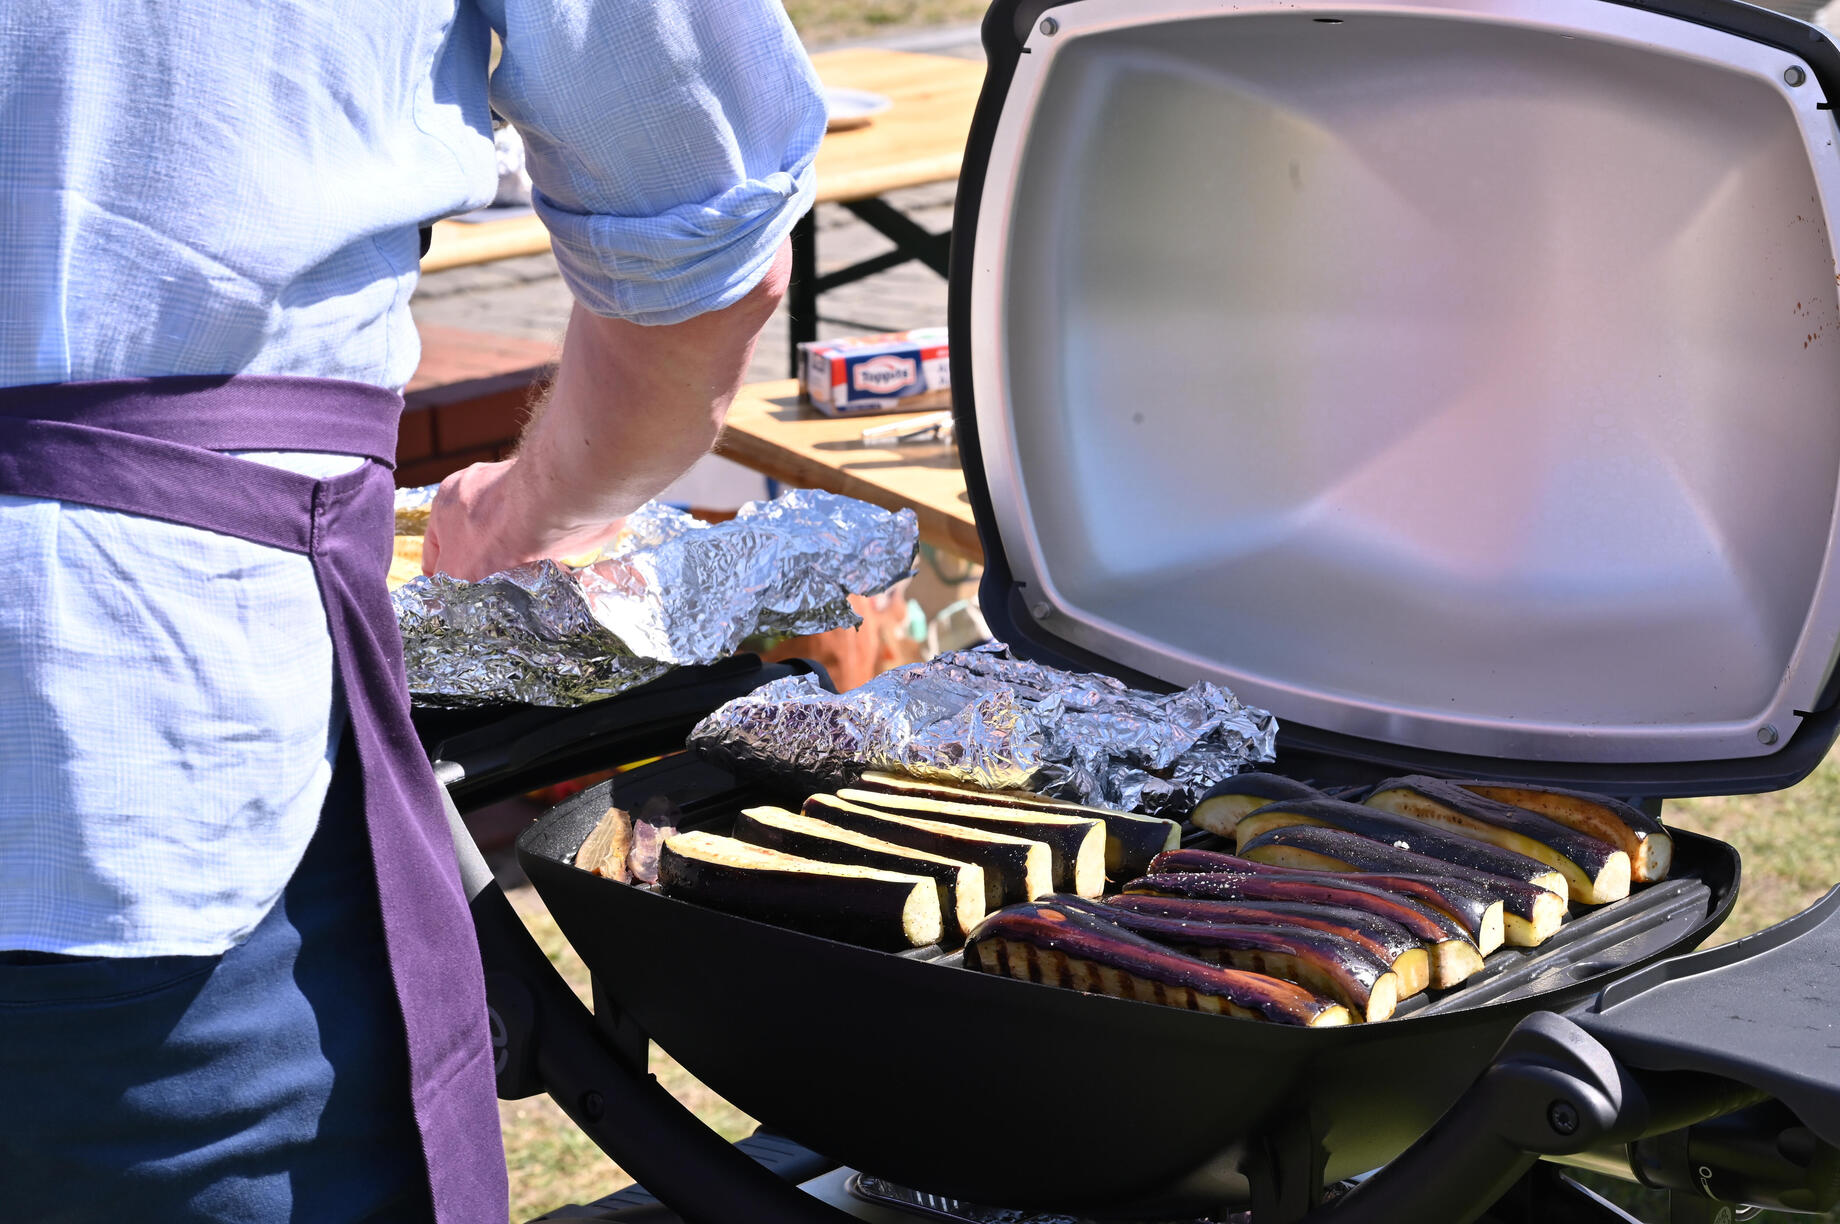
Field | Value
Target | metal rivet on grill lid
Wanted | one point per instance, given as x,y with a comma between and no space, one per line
1766,734
1049,26
1794,76
1040,609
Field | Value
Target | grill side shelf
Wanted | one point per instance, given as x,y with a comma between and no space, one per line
1764,1011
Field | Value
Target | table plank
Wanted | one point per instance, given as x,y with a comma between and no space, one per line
919,140
769,431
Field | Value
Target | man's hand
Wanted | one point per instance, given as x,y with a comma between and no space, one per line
473,524
632,407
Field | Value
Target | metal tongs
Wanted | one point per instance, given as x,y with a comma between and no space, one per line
933,427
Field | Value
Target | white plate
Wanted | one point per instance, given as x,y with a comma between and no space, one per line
852,108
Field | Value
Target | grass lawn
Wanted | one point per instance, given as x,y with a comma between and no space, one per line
827,21
1791,847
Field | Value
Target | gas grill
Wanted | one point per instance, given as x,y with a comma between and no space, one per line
1456,379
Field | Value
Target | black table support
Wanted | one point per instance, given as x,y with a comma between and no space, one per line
912,241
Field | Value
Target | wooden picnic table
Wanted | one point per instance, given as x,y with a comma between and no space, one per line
918,140
768,430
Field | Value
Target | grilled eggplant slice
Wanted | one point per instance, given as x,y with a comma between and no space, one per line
1076,844
1327,965
860,905
1407,834
1038,942
1015,868
1131,840
1530,914
1596,872
1392,943
1477,912
1453,953
1220,810
961,884
1628,828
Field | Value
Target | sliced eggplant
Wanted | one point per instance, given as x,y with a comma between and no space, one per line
1327,965
961,884
1453,953
1220,810
1406,833
860,905
1392,943
1015,868
1475,910
1595,871
1628,828
1530,914
1039,942
1131,840
1076,844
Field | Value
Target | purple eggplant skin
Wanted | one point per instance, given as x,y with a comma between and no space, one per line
1453,953
1596,872
1131,840
960,910
1406,833
1649,846
1221,809
1328,965
1530,914
1006,862
866,912
1039,942
1479,913
1392,943
1076,844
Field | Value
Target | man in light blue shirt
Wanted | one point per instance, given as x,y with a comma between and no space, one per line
193,187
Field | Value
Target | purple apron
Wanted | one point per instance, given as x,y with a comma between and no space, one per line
145,447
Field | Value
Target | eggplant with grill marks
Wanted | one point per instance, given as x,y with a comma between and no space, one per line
1453,953
1478,913
1596,871
1628,828
1131,840
1323,964
1220,810
960,884
1039,942
1530,914
1076,844
860,905
1405,832
1015,868
1392,943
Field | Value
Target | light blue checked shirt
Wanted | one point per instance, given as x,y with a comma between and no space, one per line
205,186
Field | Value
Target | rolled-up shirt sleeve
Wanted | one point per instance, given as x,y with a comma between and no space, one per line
670,143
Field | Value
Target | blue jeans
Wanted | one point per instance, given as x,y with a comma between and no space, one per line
266,1084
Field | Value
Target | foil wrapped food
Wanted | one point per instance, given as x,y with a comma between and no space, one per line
675,591
984,718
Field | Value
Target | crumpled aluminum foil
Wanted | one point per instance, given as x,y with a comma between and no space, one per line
984,718
678,591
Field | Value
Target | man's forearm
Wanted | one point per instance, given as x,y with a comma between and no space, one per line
630,409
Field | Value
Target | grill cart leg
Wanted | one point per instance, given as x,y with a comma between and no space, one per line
550,1043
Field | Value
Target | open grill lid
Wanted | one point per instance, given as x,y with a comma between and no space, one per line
1459,379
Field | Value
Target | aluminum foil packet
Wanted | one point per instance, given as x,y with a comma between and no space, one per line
676,591
984,718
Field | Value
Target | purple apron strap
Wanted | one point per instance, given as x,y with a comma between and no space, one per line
85,443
